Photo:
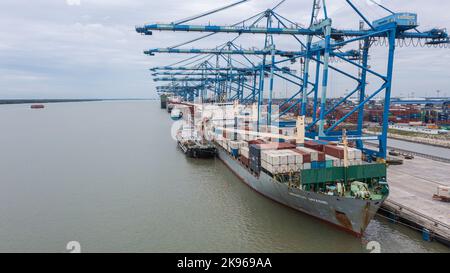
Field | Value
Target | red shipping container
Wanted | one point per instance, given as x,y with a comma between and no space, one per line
322,157
273,146
292,141
314,145
334,151
244,161
258,141
306,155
285,145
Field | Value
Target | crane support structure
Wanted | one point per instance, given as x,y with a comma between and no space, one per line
229,72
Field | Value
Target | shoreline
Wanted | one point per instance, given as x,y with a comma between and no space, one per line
31,101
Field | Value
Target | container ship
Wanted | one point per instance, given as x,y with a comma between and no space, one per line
329,181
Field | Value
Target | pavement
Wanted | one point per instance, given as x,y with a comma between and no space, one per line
413,185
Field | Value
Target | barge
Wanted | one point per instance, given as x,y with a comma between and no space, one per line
193,146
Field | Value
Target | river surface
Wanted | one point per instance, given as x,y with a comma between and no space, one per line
109,176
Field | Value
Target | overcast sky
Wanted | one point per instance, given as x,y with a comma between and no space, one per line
89,48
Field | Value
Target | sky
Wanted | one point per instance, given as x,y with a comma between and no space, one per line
89,48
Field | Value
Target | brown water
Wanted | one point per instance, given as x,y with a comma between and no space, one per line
108,175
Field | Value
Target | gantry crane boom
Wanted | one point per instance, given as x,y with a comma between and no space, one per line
434,34
318,43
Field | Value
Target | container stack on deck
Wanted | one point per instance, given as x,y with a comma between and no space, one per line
274,156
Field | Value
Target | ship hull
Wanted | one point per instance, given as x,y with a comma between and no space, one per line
351,215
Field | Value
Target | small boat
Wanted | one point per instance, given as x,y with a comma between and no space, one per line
37,106
408,156
176,114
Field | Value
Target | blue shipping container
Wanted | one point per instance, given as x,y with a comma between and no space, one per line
318,165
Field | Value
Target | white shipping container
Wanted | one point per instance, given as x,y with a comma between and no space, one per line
275,158
264,165
353,162
234,145
244,151
283,159
298,159
265,156
291,157
270,156
307,166
351,154
350,163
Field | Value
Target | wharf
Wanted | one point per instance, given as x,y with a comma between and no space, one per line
412,186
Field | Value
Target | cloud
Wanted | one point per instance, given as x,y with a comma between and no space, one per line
88,48
73,2
7,75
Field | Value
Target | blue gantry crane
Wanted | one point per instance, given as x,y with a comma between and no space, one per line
318,42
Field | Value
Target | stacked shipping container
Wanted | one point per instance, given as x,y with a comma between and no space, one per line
283,158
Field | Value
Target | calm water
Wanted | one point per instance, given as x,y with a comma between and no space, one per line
107,174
